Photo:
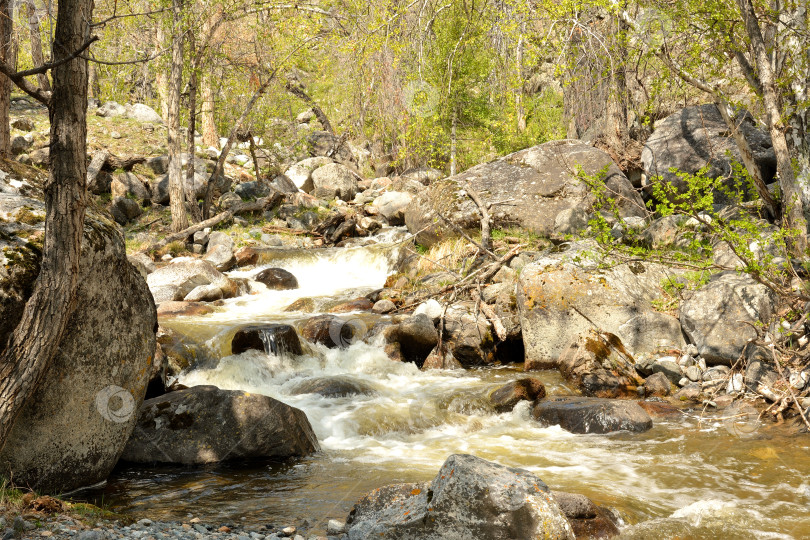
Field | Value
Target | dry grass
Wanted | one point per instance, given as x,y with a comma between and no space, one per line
452,255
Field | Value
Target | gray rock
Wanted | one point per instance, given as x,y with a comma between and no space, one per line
127,183
669,367
391,205
334,181
99,374
651,332
423,175
124,210
331,331
220,256
555,292
21,144
695,137
143,113
592,415
693,373
322,143
252,190
657,384
383,306
111,109
468,498
431,308
540,182
468,334
204,424
283,184
182,275
204,293
24,124
301,173
712,316
416,337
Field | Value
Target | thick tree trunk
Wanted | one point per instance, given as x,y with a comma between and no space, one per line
36,44
191,198
792,207
34,342
6,42
177,196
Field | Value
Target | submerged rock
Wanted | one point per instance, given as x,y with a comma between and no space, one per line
277,279
592,415
332,387
507,396
468,498
204,424
278,339
586,518
331,331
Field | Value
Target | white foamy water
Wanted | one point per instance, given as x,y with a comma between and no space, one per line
685,478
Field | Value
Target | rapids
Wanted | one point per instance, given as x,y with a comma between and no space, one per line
695,476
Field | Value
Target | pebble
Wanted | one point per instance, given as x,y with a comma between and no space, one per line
693,373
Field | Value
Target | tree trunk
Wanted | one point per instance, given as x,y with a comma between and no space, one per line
161,80
36,338
209,125
191,198
453,143
792,207
519,110
36,44
177,195
6,31
93,85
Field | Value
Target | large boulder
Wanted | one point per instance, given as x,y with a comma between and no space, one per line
592,415
301,172
598,365
391,205
564,295
72,430
182,275
468,498
128,184
696,137
714,317
652,332
586,518
143,113
541,185
323,143
334,181
204,424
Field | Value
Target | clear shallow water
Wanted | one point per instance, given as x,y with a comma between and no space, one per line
688,477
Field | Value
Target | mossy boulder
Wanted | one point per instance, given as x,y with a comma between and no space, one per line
72,430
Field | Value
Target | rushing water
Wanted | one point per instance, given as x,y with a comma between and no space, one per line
692,476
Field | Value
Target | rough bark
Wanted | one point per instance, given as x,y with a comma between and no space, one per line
36,44
33,343
207,116
6,43
177,195
792,207
161,80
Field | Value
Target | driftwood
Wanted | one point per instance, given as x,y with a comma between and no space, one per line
96,164
126,162
265,203
486,309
